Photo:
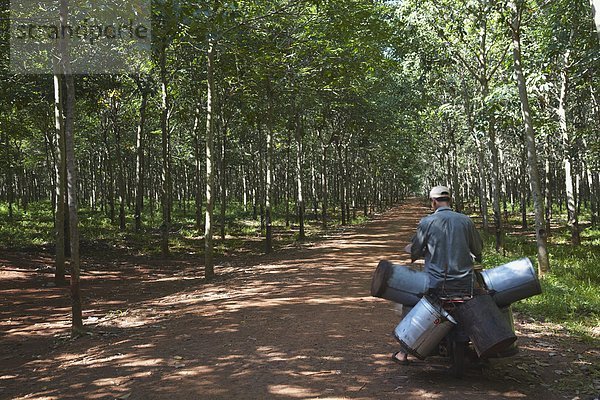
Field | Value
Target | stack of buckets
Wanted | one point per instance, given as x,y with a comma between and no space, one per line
487,319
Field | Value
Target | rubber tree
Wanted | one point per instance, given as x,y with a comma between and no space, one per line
472,34
165,36
143,86
573,220
166,186
269,170
534,177
77,328
209,270
299,169
60,183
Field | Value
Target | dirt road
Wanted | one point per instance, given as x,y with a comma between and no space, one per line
299,324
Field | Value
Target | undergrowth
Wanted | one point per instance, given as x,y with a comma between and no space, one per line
33,229
570,290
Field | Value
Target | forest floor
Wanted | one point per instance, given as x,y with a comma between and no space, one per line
297,324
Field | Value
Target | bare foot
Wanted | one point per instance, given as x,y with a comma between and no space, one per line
400,357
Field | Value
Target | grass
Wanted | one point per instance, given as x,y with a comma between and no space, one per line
571,290
26,229
32,229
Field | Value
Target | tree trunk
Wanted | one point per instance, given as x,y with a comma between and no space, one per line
244,185
223,182
139,159
495,181
77,320
165,141
482,186
548,188
481,181
60,182
457,198
198,171
50,136
259,192
313,189
595,203
341,178
347,182
209,271
573,220
120,167
299,155
77,327
523,190
325,193
540,233
110,174
268,190
287,190
9,175
365,194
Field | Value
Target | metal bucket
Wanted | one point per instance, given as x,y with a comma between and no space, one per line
512,282
488,329
423,328
513,349
399,283
401,310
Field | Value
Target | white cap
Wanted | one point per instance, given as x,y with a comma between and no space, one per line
439,191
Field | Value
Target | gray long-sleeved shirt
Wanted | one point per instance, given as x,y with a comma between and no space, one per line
449,241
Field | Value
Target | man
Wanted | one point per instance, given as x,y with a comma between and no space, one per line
450,243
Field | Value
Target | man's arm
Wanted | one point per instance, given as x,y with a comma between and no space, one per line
476,244
418,243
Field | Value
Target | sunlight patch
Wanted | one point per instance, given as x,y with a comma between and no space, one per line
292,391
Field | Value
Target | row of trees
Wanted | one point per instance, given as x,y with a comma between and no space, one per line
316,106
264,104
514,114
